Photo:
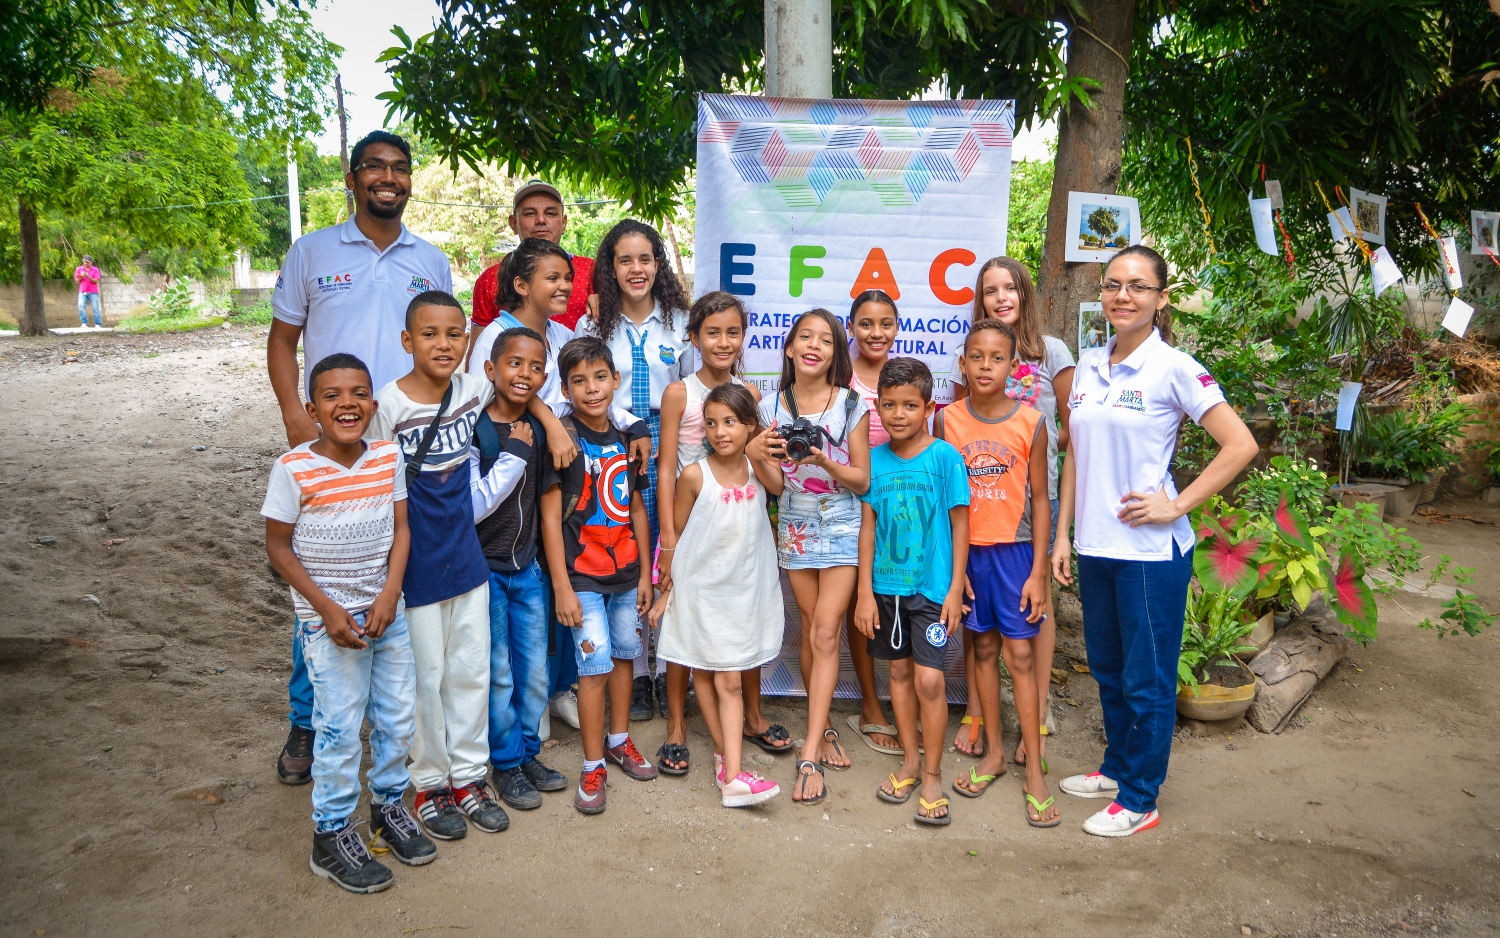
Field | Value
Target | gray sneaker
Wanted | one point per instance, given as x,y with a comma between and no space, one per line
391,825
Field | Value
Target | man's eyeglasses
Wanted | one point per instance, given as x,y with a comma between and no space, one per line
378,168
1136,290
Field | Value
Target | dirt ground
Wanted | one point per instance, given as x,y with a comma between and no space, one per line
143,694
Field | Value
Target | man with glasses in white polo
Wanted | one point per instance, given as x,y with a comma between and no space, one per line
345,289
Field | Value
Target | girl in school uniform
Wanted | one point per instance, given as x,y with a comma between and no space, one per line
1135,543
640,312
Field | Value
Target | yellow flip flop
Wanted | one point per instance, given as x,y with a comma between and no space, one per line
930,807
897,785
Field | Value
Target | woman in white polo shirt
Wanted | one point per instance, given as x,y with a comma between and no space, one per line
1135,543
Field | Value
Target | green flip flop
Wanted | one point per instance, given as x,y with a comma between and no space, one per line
975,779
1040,807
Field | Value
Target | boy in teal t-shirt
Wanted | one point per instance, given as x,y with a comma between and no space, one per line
913,548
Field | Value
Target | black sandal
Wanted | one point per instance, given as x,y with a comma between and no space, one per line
774,733
836,748
802,778
672,752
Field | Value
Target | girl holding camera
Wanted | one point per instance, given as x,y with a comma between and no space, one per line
821,442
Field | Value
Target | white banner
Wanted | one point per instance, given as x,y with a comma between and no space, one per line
806,202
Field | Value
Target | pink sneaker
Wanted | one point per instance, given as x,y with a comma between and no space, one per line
746,789
719,770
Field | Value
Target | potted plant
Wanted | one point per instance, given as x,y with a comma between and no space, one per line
1213,683
1411,451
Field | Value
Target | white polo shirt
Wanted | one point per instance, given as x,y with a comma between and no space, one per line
670,356
349,296
1123,430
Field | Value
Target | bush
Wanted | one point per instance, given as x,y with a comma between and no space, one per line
1404,444
1306,484
171,310
257,315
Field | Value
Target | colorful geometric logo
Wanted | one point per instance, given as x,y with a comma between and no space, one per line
805,148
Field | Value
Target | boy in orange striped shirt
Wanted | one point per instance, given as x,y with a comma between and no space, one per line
1004,446
336,531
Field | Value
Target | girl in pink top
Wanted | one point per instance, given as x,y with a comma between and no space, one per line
716,325
873,326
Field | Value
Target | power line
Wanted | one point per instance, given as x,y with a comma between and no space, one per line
283,195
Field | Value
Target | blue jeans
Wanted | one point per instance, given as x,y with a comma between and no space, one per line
84,301
299,689
611,626
378,682
1132,626
518,665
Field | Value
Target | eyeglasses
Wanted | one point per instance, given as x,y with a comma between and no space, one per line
378,168
1136,290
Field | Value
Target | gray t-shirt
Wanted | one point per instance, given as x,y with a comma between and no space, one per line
1036,392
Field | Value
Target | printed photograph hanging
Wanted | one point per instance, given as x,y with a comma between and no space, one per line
1100,226
1368,211
1093,327
1483,226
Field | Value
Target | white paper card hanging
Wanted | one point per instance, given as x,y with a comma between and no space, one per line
1093,327
1348,396
1457,319
1448,247
1368,212
1340,225
1383,270
1265,230
1482,228
1273,192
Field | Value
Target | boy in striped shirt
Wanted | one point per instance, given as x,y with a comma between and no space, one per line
336,531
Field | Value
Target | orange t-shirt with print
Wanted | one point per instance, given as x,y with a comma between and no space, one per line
997,456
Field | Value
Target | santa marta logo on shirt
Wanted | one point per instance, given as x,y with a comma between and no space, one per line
335,283
1131,400
418,285
986,462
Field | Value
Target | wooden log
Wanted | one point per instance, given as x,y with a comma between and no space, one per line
1292,664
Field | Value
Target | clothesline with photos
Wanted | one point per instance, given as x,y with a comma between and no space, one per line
1101,224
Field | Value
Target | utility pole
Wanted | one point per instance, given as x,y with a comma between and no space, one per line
799,48
293,194
338,86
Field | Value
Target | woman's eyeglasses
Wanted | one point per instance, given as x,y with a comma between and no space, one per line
1136,290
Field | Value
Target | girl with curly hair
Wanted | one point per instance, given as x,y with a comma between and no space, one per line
640,312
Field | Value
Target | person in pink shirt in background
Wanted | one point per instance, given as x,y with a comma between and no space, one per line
87,276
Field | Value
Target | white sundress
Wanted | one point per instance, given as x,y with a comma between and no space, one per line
725,609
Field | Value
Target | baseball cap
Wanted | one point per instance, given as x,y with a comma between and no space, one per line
536,187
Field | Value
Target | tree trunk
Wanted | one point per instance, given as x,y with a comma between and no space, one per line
1089,144
34,314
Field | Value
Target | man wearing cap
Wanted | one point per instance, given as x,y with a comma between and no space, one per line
536,213
345,288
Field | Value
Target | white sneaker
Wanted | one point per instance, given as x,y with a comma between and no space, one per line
565,707
544,728
1115,821
1092,785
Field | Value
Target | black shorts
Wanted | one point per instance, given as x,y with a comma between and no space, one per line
910,627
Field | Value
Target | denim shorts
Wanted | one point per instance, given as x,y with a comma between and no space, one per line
611,624
814,532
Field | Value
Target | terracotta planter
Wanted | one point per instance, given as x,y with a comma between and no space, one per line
1213,702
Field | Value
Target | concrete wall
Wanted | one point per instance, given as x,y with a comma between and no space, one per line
117,299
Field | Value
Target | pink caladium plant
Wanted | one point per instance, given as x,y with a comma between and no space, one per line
1225,565
1290,525
1351,597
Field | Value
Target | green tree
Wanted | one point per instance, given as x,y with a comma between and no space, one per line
1026,229
1104,220
604,91
177,79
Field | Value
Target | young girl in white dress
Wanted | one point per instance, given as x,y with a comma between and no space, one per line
721,613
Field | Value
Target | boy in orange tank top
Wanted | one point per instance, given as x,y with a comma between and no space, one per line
1004,446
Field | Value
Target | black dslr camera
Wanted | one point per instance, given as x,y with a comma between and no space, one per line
801,435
